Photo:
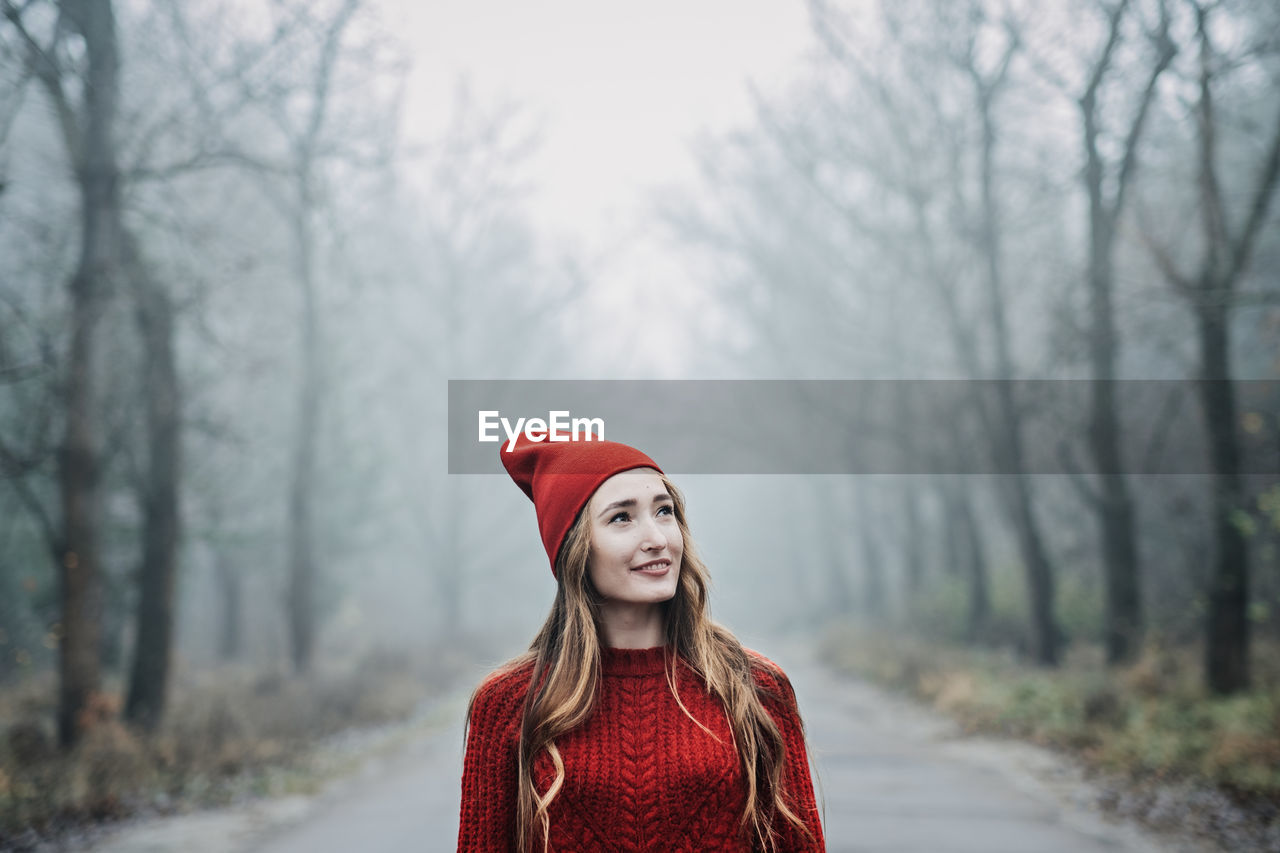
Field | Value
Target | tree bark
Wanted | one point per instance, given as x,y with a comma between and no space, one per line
1227,646
1114,507
912,538
98,181
229,626
449,563
837,597
966,553
303,566
302,562
874,602
1040,581
149,678
976,563
1114,504
1211,295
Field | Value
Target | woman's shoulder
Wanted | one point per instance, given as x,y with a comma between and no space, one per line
770,678
502,691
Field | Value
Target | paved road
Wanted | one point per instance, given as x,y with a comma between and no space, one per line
895,778
899,779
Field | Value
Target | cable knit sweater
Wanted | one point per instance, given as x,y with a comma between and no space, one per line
639,774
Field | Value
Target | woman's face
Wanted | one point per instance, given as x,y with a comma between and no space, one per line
636,545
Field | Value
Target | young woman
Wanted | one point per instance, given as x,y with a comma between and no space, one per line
634,722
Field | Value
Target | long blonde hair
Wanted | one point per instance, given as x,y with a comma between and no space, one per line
565,655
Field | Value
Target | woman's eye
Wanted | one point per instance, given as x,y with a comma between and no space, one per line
621,516
666,509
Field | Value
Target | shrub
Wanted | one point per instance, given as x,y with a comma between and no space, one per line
228,734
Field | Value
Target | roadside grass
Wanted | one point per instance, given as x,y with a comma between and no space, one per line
1150,724
229,734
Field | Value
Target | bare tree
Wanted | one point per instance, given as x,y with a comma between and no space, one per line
87,129
476,242
987,85
110,260
285,92
161,498
305,145
1113,501
1210,290
1107,181
977,52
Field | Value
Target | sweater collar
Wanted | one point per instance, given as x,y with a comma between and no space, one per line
632,661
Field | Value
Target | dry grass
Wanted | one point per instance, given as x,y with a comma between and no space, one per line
1151,724
1153,719
228,734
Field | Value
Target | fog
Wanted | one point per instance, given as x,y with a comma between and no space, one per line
334,209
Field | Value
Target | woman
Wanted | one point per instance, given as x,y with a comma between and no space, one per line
633,722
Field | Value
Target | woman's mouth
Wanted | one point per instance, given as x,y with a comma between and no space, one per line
655,568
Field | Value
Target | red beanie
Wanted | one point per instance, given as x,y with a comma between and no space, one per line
561,476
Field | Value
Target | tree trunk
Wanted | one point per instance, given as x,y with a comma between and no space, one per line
979,587
97,177
1225,260
964,545
873,602
1227,646
1040,582
153,650
450,562
836,592
302,562
1115,504
229,626
953,544
912,538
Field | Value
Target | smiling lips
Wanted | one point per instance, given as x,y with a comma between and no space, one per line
653,567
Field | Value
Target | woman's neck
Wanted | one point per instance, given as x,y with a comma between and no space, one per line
631,626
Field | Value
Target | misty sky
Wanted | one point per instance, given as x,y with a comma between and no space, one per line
617,93
619,88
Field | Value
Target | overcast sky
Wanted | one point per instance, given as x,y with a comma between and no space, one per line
618,91
620,87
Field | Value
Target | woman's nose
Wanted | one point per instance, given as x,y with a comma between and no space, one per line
655,538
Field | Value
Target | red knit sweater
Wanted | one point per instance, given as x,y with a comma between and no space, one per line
639,774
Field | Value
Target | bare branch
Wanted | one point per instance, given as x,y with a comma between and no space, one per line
1163,428
1263,191
206,160
1088,494
1166,51
804,169
1210,189
1181,283
11,373
325,70
10,115
42,63
15,470
1090,97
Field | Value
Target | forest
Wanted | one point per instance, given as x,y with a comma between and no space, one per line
235,283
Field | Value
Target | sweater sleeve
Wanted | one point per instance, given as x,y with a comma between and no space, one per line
797,783
487,820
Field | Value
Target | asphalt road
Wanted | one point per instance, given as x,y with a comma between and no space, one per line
895,779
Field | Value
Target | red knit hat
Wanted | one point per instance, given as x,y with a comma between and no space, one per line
561,476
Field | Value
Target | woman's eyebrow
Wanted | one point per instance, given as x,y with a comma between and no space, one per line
631,502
